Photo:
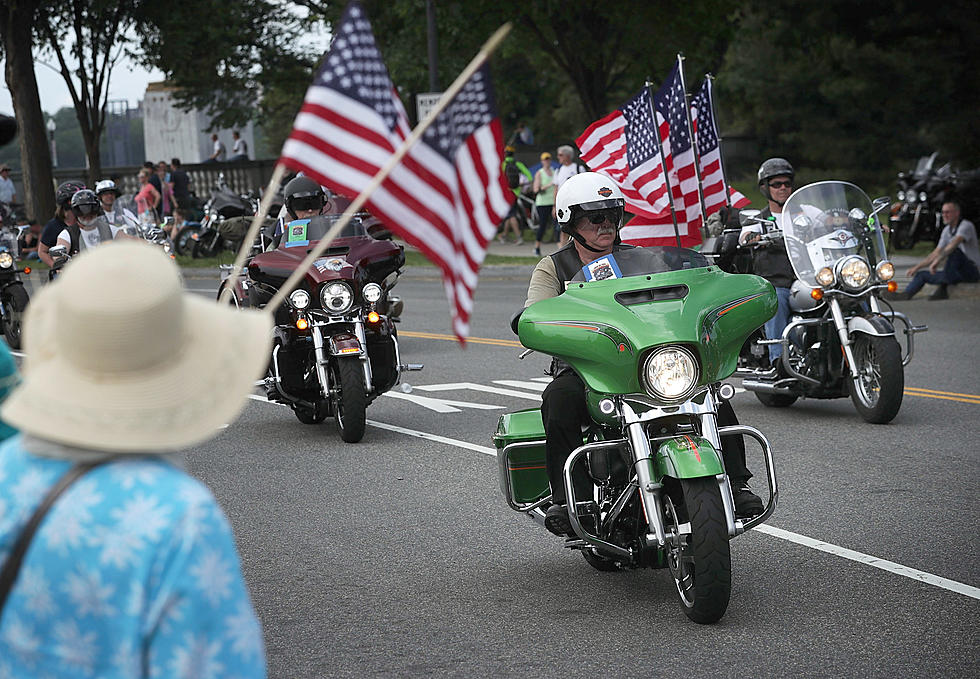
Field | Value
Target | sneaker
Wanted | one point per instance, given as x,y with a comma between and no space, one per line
520,241
941,293
537,252
747,503
556,520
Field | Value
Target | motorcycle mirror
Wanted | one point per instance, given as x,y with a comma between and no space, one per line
881,203
746,217
802,222
58,251
857,214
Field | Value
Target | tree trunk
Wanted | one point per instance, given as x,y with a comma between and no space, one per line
17,26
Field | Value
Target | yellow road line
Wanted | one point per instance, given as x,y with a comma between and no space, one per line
909,391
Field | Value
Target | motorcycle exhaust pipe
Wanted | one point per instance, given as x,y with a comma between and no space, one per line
767,388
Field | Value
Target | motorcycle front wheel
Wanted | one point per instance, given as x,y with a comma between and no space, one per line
311,415
350,402
14,302
877,392
184,243
701,562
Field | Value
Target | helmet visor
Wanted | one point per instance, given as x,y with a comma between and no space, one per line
298,203
85,209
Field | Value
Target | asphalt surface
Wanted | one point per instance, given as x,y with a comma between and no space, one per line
398,556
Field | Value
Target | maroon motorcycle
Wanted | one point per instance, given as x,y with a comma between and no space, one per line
335,348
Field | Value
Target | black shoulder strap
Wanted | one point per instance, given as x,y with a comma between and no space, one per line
12,566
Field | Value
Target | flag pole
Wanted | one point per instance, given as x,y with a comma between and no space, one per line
714,121
663,164
694,146
393,161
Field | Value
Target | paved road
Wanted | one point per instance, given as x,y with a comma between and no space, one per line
398,556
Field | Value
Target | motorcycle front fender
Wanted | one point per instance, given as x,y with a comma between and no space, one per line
344,344
687,457
876,326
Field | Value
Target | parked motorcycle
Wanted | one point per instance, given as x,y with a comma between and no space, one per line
13,294
652,343
336,348
840,340
917,216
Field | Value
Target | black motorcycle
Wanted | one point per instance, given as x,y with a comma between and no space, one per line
917,215
13,294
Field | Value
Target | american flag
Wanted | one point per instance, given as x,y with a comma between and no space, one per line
709,153
448,194
624,146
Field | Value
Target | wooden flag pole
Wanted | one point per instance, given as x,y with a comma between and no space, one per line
481,56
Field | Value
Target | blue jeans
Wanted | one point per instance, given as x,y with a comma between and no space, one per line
776,324
959,268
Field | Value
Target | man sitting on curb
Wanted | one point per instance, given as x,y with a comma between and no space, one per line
958,244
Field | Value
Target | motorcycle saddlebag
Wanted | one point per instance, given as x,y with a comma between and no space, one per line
519,440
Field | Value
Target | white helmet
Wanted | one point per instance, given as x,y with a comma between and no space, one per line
587,192
106,185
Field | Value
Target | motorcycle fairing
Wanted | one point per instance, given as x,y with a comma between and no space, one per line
344,344
870,325
565,326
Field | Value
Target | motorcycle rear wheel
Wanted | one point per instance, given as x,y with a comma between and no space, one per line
350,402
184,242
877,393
702,563
15,303
311,416
775,400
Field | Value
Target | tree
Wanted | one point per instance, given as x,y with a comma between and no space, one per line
92,35
17,20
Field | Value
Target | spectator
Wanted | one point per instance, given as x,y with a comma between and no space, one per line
544,199
517,176
180,183
29,239
239,148
166,190
523,136
218,155
958,245
134,571
8,193
567,168
147,199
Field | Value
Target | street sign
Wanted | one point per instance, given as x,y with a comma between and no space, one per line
425,102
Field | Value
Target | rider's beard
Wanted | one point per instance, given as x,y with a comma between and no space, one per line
86,222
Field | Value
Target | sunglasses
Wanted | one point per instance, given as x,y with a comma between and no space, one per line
611,215
306,203
780,185
85,209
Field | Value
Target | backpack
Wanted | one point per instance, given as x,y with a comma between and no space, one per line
513,174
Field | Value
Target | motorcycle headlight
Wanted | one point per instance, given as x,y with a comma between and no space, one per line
825,277
885,271
670,373
6,260
854,272
901,195
371,292
300,299
923,197
336,297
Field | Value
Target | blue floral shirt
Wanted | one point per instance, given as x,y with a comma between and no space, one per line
133,573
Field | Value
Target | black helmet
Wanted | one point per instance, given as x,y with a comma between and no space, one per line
774,167
85,203
302,193
66,191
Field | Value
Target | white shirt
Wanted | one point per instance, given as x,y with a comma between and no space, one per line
90,236
7,189
969,243
564,172
240,147
219,148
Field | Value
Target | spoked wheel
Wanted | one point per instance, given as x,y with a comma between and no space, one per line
877,392
184,243
700,560
14,304
350,403
312,415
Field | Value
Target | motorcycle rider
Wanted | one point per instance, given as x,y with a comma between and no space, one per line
92,227
769,260
115,213
63,219
302,198
589,208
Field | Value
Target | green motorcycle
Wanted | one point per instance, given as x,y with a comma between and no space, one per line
652,336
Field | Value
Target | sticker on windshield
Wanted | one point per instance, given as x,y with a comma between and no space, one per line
602,269
296,233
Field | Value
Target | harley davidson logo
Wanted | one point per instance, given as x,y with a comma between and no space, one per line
843,236
605,192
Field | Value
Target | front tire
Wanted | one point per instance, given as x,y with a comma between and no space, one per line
351,402
15,300
775,400
184,242
311,416
701,562
878,390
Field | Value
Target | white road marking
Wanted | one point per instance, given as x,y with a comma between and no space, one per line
542,379
819,545
440,405
520,384
459,386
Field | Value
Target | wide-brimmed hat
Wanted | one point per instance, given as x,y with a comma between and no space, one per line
120,358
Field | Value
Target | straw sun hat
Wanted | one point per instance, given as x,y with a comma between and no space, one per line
120,358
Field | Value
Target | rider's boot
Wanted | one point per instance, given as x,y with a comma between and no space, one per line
747,503
556,520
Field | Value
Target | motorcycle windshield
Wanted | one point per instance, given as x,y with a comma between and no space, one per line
641,262
924,165
826,222
302,231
